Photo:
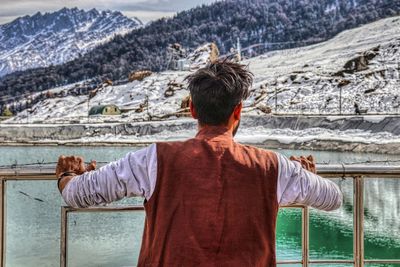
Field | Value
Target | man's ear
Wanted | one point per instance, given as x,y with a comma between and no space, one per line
192,110
237,111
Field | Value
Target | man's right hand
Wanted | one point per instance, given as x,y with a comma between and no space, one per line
72,166
307,163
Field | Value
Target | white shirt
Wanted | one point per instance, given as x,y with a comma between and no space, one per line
136,175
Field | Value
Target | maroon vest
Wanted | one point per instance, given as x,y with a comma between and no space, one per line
214,204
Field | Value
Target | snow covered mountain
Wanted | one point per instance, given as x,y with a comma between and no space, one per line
361,65
54,38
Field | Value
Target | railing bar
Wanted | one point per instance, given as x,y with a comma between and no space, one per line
333,175
2,226
289,262
36,177
366,175
4,193
64,237
355,225
329,171
331,261
305,235
298,206
140,207
105,209
137,208
359,221
382,261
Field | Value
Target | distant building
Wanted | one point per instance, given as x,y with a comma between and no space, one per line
182,65
7,112
105,110
176,53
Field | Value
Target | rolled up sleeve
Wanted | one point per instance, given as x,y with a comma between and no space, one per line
299,186
133,175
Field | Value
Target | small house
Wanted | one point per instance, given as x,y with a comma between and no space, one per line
7,112
104,110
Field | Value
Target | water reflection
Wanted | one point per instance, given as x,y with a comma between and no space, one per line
288,234
382,218
104,239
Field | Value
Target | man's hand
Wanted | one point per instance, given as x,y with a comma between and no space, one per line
68,167
307,163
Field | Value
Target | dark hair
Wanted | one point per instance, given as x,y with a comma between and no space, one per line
217,89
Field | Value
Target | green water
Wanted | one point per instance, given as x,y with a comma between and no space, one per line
113,239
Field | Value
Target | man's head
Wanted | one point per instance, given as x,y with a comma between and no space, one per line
217,92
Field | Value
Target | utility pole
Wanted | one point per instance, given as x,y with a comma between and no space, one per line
88,106
29,109
239,50
340,101
147,107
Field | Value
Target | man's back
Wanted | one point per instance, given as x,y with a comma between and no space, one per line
209,201
214,204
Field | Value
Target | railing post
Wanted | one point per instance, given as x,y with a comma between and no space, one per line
358,221
2,222
305,235
63,237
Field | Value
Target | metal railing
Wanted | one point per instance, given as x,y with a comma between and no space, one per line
357,172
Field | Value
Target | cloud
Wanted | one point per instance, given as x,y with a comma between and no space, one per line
146,16
163,5
143,9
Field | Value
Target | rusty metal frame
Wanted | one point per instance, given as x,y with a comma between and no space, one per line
356,172
16,175
2,223
305,236
358,220
64,224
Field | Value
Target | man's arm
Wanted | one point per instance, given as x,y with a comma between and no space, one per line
133,175
300,186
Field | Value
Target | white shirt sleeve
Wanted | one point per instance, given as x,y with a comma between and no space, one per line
133,175
299,186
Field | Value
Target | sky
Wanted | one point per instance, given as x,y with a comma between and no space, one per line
145,10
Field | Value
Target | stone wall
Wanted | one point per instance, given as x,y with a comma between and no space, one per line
70,134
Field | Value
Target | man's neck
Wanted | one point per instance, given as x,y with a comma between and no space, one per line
202,127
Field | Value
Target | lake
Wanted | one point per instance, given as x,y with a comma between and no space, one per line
113,239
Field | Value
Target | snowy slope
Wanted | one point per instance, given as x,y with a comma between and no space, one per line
131,97
310,79
306,79
53,38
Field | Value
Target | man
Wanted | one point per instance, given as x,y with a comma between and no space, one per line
209,201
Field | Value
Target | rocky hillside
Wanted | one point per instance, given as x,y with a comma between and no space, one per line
48,39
